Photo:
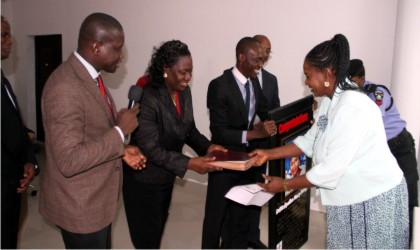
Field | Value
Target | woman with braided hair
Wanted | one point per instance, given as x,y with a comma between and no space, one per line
359,180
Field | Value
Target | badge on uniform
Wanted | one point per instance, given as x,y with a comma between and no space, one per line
379,96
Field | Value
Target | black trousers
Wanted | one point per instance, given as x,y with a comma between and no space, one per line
403,148
238,226
146,207
96,240
10,214
255,214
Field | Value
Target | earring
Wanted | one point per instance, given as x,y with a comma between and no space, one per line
326,84
165,75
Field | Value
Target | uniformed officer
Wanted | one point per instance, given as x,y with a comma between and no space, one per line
400,141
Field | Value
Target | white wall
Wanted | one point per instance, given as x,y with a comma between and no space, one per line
211,28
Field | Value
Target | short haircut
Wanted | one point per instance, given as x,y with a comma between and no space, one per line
97,27
244,44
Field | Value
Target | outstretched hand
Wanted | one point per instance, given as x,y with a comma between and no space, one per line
201,166
28,176
215,147
261,155
134,158
273,184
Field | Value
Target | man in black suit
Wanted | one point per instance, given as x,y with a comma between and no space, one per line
233,100
268,83
18,162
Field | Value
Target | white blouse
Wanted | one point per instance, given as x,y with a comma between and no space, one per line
350,155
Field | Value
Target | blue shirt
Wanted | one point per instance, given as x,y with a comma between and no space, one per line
392,121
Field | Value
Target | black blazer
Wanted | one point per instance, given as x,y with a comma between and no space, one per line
162,133
228,115
270,89
16,147
271,92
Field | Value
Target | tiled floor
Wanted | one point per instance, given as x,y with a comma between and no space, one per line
183,229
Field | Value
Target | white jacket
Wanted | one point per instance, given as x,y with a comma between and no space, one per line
351,159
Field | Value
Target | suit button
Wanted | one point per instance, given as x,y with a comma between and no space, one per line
117,168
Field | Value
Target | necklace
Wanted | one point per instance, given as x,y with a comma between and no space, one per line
173,99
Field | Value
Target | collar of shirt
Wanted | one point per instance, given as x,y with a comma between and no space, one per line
241,78
92,71
260,77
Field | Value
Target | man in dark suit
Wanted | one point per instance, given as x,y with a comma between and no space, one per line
233,100
18,162
268,83
84,138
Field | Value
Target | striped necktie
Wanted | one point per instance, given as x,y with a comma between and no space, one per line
247,96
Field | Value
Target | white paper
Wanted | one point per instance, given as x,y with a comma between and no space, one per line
251,194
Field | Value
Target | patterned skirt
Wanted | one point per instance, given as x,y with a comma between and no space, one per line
380,222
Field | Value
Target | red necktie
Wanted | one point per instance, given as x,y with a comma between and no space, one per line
103,92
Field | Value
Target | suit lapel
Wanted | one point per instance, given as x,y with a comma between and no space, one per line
6,83
92,87
165,98
257,88
265,79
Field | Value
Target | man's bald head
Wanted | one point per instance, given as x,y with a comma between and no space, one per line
98,27
101,40
266,45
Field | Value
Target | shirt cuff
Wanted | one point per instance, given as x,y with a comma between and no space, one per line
36,168
120,132
244,133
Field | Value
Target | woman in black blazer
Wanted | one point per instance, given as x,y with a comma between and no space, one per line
166,124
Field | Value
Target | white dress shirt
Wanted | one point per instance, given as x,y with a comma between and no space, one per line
94,74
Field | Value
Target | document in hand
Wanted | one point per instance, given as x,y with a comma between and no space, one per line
232,160
250,194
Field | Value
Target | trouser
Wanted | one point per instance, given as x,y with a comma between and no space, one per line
219,183
96,240
146,206
255,214
10,214
403,148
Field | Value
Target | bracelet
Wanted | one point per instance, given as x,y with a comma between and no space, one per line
285,185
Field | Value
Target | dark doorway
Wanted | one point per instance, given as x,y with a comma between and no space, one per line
48,57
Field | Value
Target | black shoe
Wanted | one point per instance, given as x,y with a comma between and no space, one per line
257,245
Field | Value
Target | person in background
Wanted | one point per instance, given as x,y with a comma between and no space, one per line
360,183
234,99
166,124
18,161
268,81
84,137
400,141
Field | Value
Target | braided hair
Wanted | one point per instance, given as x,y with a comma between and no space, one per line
166,55
334,53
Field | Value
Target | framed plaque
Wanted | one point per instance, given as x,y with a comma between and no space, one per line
289,211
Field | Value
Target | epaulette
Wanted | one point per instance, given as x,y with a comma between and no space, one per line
371,88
